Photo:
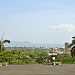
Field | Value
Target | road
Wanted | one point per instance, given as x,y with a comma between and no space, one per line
38,69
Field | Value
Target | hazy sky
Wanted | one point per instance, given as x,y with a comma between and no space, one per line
37,21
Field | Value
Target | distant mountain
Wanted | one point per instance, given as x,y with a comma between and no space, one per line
18,44
29,44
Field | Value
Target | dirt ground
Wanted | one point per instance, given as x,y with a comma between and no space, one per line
38,69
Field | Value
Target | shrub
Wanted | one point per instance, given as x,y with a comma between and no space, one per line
67,60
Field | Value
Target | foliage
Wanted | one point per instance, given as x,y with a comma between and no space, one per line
18,57
67,60
73,51
41,56
61,49
14,57
2,48
73,47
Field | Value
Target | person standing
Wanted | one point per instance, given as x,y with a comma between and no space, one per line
53,59
48,59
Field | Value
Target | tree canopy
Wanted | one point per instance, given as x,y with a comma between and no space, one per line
73,47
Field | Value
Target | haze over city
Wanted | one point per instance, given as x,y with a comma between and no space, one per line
37,21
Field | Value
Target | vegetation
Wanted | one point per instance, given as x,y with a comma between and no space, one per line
2,48
29,55
13,57
64,58
18,57
73,47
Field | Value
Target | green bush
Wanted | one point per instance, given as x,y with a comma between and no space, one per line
67,60
13,57
16,57
39,60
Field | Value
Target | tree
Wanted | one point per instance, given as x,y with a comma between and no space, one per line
73,51
1,44
72,45
73,42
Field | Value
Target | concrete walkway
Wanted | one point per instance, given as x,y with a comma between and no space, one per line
38,69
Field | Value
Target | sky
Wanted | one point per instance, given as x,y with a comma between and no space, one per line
38,21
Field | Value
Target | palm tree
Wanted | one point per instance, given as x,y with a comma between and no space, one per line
73,42
73,51
72,45
1,44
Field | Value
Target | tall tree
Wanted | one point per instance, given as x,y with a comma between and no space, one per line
72,46
73,42
1,43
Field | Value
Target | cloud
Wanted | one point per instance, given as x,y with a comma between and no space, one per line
66,27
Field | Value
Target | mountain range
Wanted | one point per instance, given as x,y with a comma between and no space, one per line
29,44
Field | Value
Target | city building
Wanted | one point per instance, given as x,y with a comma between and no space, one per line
67,50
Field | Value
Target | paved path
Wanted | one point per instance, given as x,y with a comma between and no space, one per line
38,69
